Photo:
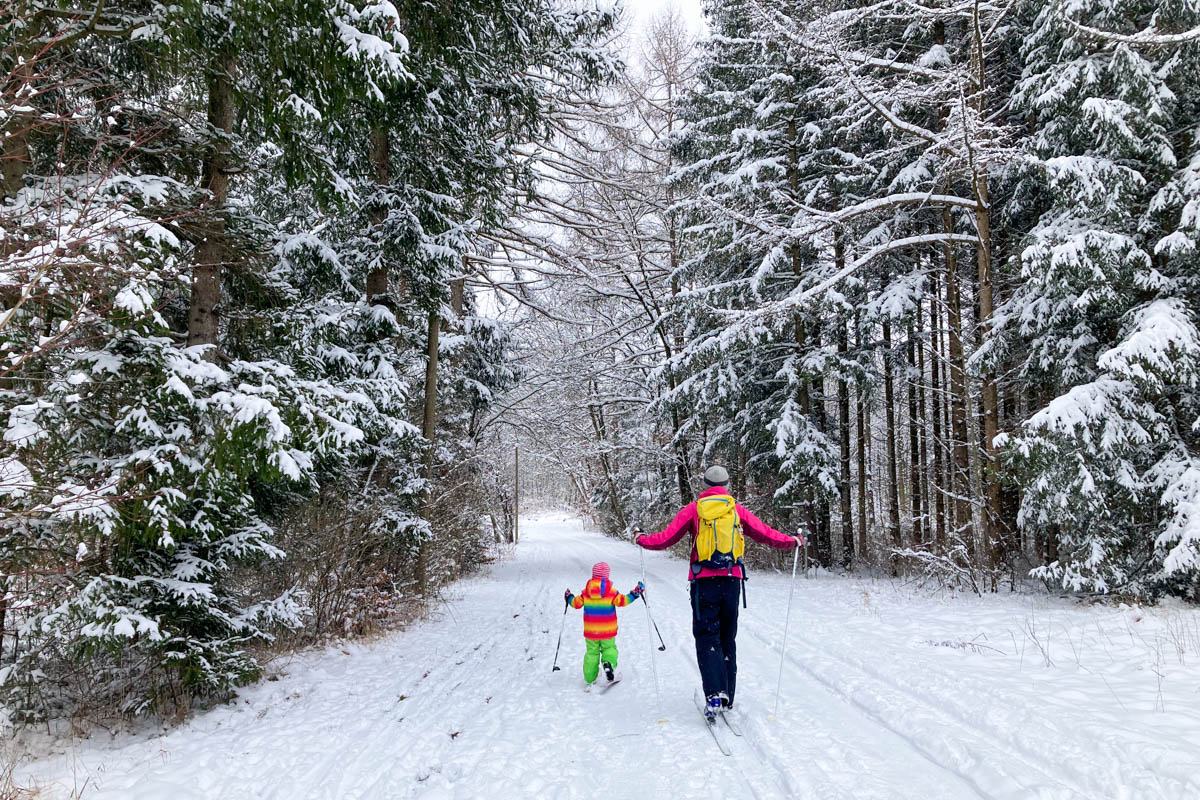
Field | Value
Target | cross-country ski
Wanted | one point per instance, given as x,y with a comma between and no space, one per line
711,723
605,686
730,722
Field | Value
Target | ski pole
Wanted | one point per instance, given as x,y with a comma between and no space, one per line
787,621
661,644
653,665
556,667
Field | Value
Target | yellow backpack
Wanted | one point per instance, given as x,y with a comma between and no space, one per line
719,540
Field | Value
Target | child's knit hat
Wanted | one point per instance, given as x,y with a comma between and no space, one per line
600,570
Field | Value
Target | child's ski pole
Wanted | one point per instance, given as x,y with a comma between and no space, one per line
556,667
788,619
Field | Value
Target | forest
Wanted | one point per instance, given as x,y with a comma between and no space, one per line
283,285
923,276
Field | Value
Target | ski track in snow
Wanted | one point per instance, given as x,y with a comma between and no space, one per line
464,705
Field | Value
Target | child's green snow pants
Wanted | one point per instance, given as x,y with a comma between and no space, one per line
598,650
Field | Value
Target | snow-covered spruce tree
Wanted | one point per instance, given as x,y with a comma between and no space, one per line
348,537
137,463
1105,318
153,471
746,168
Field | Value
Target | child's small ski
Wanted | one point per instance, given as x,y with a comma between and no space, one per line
604,687
711,724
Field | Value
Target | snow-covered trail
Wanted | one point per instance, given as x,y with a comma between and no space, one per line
465,705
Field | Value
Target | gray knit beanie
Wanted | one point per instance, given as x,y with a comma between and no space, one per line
716,476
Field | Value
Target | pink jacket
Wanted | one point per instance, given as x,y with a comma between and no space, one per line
687,521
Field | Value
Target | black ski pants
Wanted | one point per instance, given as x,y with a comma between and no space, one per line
714,624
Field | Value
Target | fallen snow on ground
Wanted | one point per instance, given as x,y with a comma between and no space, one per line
887,693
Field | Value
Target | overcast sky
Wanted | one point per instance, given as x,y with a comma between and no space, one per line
643,10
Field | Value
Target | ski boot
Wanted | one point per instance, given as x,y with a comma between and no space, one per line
713,707
608,671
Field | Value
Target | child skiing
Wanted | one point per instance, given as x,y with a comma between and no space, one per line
600,601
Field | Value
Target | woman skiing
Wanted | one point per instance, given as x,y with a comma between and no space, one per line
716,523
600,601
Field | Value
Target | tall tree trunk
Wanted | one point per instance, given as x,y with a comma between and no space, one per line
804,400
516,493
429,431
961,485
991,406
3,609
15,134
892,497
810,515
864,542
914,445
822,504
1010,497
739,471
600,427
937,395
876,500
457,292
953,487
948,454
843,390
681,463
844,436
923,424
379,156
681,458
204,316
